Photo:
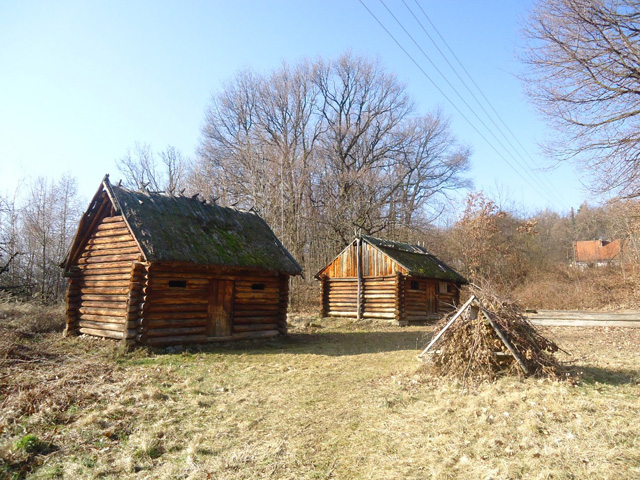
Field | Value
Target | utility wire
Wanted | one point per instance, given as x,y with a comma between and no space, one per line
523,149
539,184
517,172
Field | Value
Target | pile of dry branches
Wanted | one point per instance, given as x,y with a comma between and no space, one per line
490,337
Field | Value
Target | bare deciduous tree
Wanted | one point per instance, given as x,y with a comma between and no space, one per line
141,169
324,148
584,76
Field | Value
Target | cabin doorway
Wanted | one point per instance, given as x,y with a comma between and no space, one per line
220,308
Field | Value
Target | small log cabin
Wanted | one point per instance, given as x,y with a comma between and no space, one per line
153,269
375,278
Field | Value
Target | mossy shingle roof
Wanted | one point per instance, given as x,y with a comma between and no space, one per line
416,259
183,229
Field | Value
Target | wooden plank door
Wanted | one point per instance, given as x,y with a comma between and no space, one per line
219,317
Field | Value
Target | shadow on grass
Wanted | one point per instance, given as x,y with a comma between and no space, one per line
316,343
608,376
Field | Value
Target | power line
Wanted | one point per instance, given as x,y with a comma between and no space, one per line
447,97
488,102
539,184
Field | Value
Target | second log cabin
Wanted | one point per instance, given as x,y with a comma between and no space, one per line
376,278
153,269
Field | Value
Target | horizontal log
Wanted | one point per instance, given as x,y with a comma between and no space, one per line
110,242
187,307
268,289
103,304
109,251
101,325
101,318
105,298
109,312
114,277
255,304
110,290
254,327
87,283
104,226
114,232
107,271
154,299
88,267
255,313
257,294
256,320
175,331
378,315
106,259
114,218
101,333
172,323
163,283
174,315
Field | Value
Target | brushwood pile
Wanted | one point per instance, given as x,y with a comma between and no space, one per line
490,338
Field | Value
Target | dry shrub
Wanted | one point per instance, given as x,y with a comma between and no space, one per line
32,318
305,297
567,288
40,375
470,349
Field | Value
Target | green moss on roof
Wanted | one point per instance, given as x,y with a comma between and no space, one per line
183,229
416,259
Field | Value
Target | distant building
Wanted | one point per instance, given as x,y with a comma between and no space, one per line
597,253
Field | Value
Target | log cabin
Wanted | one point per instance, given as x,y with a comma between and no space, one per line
154,268
376,278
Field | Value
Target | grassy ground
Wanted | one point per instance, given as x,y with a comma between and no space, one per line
333,400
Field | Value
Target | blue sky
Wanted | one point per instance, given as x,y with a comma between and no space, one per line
81,82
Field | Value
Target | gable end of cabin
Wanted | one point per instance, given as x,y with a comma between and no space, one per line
105,272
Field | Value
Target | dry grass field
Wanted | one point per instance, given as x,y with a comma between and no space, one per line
333,400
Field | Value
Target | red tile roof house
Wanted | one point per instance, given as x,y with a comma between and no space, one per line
597,253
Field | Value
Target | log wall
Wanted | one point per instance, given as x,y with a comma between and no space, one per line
174,312
176,306
98,297
379,295
388,297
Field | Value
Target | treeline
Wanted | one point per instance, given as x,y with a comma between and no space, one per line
323,150
37,224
